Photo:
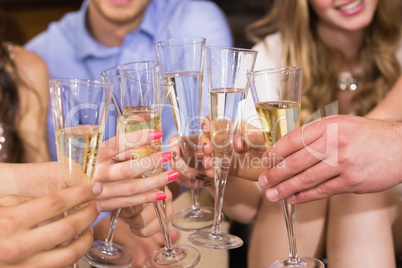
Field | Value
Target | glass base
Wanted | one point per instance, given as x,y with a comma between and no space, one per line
97,256
215,241
180,257
190,220
304,262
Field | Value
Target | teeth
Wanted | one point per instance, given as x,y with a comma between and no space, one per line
351,5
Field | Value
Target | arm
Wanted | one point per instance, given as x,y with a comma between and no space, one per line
115,169
390,106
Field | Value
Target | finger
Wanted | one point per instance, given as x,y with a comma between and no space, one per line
124,202
210,173
303,181
174,147
252,138
132,211
131,169
145,225
285,168
11,200
60,231
63,256
185,171
139,216
206,146
118,147
136,186
298,139
46,207
240,146
205,124
326,189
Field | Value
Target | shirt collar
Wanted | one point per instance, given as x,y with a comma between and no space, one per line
89,47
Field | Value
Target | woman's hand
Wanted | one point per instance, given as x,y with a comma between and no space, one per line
116,169
181,160
242,197
248,149
34,232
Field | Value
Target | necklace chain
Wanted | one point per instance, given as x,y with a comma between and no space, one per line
347,82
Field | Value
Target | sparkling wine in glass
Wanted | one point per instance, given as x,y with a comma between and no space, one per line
79,116
276,94
182,64
150,89
227,69
133,113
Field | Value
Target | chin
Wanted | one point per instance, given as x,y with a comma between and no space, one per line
357,24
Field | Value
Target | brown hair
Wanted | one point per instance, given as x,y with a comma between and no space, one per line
9,107
296,22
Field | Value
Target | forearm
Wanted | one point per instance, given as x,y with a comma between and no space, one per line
389,107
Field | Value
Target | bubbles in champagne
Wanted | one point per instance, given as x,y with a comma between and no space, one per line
277,119
77,150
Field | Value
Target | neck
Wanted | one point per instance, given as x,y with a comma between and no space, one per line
347,42
107,32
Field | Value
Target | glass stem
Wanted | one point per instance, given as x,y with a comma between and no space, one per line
108,247
289,211
163,221
195,196
220,178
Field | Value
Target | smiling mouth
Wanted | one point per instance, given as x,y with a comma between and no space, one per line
350,6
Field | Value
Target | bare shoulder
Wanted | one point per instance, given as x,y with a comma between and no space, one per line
32,70
33,89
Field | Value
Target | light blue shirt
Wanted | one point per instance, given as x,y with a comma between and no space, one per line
70,52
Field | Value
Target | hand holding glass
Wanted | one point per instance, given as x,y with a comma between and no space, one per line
79,109
276,94
182,63
227,68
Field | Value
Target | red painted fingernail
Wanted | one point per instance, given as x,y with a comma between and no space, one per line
161,196
203,146
155,134
172,175
166,156
244,143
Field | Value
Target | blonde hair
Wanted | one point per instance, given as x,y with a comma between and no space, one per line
295,21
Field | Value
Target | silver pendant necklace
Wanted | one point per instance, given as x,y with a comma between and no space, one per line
347,82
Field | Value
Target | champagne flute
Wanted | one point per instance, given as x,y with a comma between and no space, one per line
138,103
79,116
149,88
277,93
106,253
227,68
182,63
